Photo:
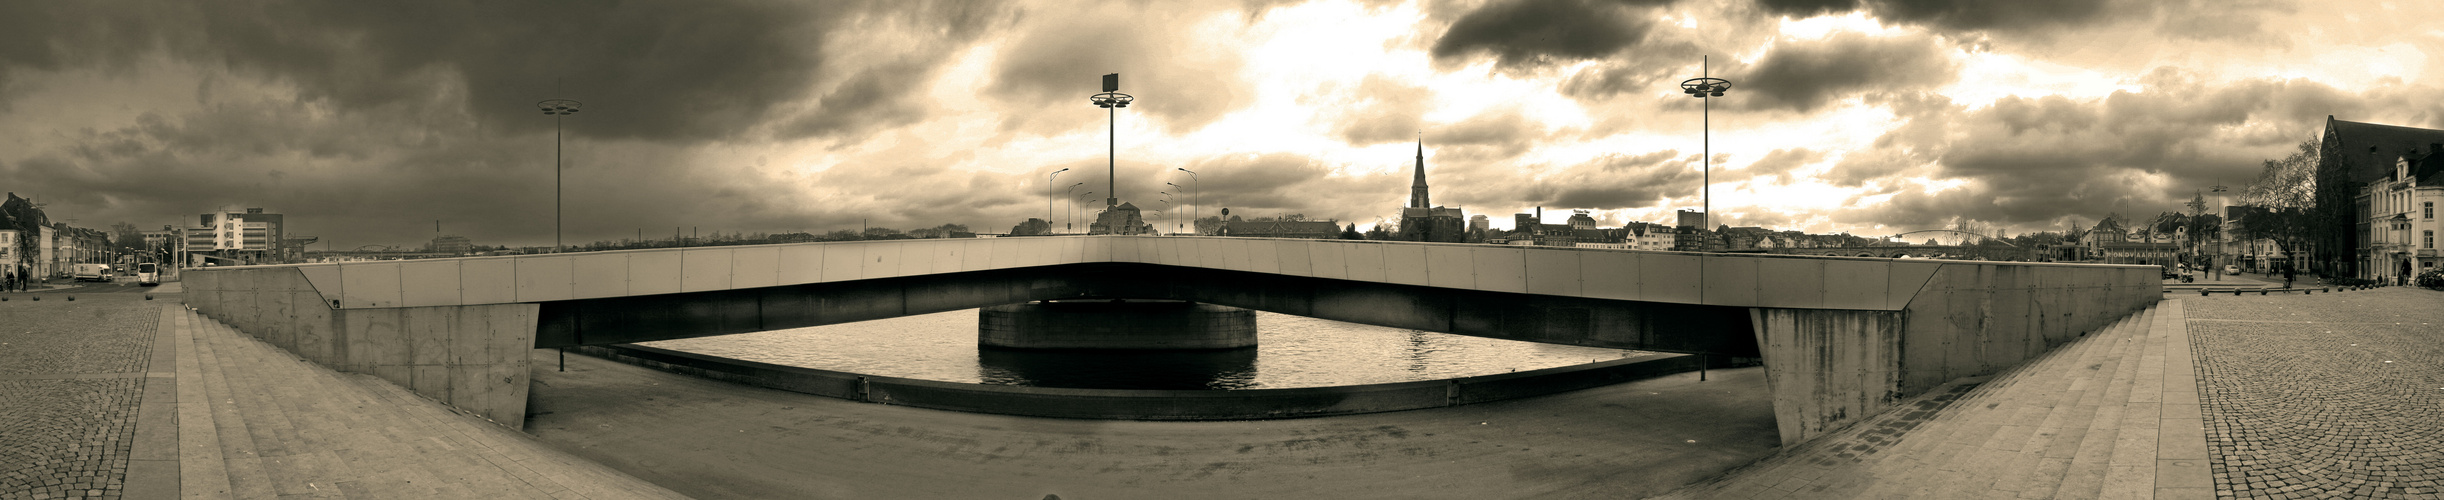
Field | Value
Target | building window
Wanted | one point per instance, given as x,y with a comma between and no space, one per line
2431,239
2429,208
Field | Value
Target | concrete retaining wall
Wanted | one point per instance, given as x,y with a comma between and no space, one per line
470,357
1830,368
1150,404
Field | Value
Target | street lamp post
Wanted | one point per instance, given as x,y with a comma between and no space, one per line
557,108
1166,207
1704,88
1056,174
1111,100
1196,195
1081,212
1068,220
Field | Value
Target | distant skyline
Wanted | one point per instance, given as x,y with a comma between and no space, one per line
366,121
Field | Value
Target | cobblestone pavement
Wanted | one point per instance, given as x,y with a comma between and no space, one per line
71,375
2323,396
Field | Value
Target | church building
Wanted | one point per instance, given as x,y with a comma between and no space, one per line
1421,220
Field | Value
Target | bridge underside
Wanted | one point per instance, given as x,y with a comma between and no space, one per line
1718,330
1842,340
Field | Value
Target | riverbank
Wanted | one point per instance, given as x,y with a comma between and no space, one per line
711,439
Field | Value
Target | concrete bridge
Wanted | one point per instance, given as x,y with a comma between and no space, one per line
1842,338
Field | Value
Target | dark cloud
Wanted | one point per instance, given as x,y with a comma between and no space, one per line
1614,181
1380,110
665,71
1956,15
1807,8
2234,20
1043,77
1495,133
1805,75
1776,164
1529,34
2035,161
1617,181
1283,183
1652,68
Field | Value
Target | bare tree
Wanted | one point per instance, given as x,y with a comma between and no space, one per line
2284,194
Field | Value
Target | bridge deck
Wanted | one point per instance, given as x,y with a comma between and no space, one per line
1740,280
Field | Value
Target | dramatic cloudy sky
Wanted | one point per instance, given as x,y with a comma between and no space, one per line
367,120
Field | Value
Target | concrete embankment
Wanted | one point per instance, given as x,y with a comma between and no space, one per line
1152,404
712,439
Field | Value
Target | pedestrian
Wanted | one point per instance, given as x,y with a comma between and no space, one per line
10,282
2287,275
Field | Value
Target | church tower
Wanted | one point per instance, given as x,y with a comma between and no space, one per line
1417,189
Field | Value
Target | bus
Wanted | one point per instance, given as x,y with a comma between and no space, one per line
148,274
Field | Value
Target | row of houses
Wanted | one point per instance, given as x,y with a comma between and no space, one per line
32,245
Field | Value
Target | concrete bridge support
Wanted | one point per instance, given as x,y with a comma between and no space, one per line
1115,325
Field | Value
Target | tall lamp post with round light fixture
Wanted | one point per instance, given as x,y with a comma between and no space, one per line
1705,88
557,108
1111,100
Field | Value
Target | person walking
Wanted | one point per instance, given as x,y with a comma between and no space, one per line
10,282
2287,275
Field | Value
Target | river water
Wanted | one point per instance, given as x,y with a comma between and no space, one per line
1292,351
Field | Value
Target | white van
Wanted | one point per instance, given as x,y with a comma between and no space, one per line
148,274
92,272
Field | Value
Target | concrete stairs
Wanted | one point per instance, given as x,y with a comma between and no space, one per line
283,427
2110,415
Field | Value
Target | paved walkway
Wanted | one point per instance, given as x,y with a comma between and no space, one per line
72,374
2327,395
2110,415
114,396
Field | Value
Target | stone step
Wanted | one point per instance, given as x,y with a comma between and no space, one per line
274,432
2092,460
240,458
1966,450
347,436
315,432
1991,430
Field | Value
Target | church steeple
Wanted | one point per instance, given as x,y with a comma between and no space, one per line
1417,189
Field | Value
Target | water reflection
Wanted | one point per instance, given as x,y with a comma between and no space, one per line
1162,370
1291,351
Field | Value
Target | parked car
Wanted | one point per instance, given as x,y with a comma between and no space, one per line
2231,269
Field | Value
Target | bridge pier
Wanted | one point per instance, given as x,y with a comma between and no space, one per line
1115,324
